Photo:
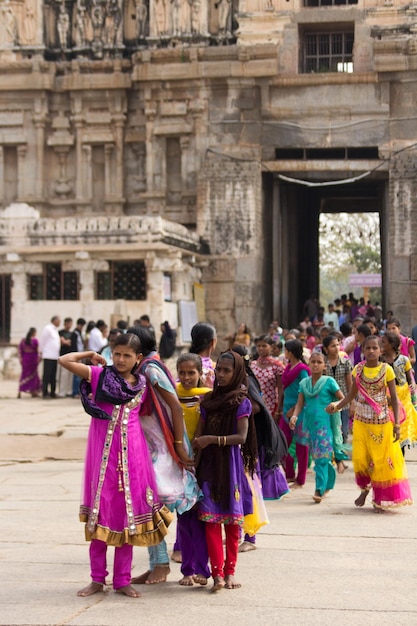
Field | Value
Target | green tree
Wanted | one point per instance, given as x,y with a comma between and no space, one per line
365,258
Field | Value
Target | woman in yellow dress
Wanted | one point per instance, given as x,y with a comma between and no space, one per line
376,454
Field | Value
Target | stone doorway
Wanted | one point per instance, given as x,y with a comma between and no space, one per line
291,226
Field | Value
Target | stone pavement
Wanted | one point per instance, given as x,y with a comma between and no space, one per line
315,564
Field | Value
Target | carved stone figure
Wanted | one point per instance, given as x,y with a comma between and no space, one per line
97,18
63,25
176,7
141,19
8,29
112,22
159,17
137,178
80,26
29,24
224,8
195,7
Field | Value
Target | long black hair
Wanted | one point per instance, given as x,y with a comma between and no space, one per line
202,334
147,340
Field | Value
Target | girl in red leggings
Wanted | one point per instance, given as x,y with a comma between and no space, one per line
226,444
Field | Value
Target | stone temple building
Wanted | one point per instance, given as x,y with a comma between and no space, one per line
173,157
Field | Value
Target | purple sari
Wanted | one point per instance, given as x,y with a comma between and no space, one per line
29,358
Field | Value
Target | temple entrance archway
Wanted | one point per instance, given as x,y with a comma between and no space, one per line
292,258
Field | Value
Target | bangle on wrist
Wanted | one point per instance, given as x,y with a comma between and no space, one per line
224,441
218,442
178,441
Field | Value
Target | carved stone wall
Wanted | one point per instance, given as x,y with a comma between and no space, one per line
148,108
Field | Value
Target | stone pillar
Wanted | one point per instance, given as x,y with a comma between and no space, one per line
185,145
1,176
78,122
39,121
109,174
118,183
21,179
150,112
401,273
19,323
154,290
87,186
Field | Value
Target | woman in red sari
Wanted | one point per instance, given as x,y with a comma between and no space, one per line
29,359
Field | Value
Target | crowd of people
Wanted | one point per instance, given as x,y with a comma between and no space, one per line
56,381
214,440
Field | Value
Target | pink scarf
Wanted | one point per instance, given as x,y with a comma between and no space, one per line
290,374
374,405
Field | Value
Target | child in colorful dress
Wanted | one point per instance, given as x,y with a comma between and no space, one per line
268,371
271,444
407,344
376,455
293,374
315,393
191,539
339,366
120,498
226,445
404,381
203,343
163,425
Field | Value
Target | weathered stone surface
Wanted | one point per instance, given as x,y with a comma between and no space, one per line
113,119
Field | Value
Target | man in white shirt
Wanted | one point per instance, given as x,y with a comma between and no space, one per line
49,347
331,318
98,336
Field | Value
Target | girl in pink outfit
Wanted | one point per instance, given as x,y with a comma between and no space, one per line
293,374
119,503
268,371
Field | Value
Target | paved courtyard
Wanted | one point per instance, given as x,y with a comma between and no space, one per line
321,564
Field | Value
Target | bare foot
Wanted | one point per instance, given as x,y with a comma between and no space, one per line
295,485
218,583
91,589
128,590
176,556
200,579
158,574
141,580
317,497
230,582
360,500
246,546
340,467
186,581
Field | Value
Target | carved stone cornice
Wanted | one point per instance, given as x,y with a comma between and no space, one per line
88,233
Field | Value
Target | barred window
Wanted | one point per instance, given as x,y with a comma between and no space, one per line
328,52
53,284
124,280
328,3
